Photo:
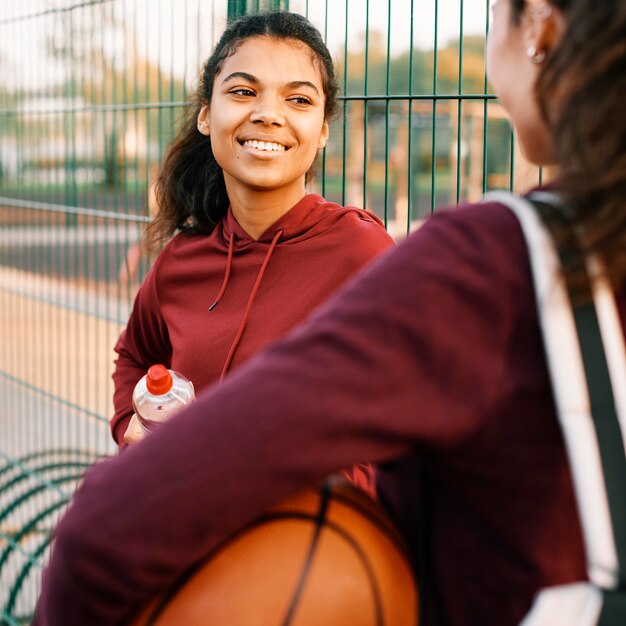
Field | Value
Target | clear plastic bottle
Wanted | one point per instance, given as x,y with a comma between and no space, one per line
159,394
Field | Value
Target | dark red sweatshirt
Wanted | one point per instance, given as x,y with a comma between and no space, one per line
431,362
263,288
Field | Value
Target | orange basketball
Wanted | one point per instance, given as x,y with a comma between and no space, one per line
326,557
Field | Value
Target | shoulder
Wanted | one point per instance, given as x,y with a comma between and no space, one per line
474,251
181,256
363,227
186,241
350,214
485,216
485,230
184,251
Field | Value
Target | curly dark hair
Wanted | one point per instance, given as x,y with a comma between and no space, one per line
190,191
581,91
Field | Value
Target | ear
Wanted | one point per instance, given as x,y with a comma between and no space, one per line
321,144
544,25
203,120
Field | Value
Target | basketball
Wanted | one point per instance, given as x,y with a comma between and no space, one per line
325,557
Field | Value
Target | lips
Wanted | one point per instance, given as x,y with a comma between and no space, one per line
265,146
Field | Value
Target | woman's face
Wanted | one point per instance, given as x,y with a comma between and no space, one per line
266,117
513,75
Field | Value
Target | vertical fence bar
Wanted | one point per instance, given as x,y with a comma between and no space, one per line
485,103
122,231
433,166
71,189
111,230
387,104
148,98
65,322
459,118
512,163
365,102
324,151
345,108
159,79
135,78
409,198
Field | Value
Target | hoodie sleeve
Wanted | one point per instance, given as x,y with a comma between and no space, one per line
406,358
144,342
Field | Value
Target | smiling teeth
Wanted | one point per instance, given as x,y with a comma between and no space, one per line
264,145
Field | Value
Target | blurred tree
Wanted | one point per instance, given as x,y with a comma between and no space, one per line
473,65
104,67
423,68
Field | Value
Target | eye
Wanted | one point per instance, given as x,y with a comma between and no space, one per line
242,91
300,100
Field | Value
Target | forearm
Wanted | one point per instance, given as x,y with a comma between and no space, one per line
144,342
125,376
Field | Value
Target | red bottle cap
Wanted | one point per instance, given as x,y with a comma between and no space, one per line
158,380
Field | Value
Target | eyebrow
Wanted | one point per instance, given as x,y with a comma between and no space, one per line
294,84
244,75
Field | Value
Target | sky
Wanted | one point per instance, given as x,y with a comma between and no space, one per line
179,34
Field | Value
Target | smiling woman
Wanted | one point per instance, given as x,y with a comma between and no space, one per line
253,253
266,128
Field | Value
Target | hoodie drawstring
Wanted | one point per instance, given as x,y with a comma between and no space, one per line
253,293
229,264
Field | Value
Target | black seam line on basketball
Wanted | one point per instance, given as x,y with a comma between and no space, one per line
278,516
380,620
384,525
320,520
291,515
185,576
258,521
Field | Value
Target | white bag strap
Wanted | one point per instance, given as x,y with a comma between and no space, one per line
589,384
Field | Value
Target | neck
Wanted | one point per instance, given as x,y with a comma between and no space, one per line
256,211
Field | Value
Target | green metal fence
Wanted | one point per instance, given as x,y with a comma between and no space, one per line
90,93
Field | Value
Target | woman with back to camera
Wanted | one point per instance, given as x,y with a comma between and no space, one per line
255,253
447,385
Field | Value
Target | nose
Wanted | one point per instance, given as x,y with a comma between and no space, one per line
268,110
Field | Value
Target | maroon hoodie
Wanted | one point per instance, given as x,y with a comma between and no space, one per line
211,301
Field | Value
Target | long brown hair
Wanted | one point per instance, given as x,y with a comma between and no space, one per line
582,93
189,190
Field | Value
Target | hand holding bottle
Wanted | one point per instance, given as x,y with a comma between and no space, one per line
157,396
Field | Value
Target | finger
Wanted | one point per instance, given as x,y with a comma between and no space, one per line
134,432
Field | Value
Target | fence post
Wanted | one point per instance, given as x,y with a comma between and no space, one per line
237,8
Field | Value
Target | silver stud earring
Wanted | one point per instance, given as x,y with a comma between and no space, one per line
536,56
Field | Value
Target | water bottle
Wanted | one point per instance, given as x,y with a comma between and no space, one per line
159,394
